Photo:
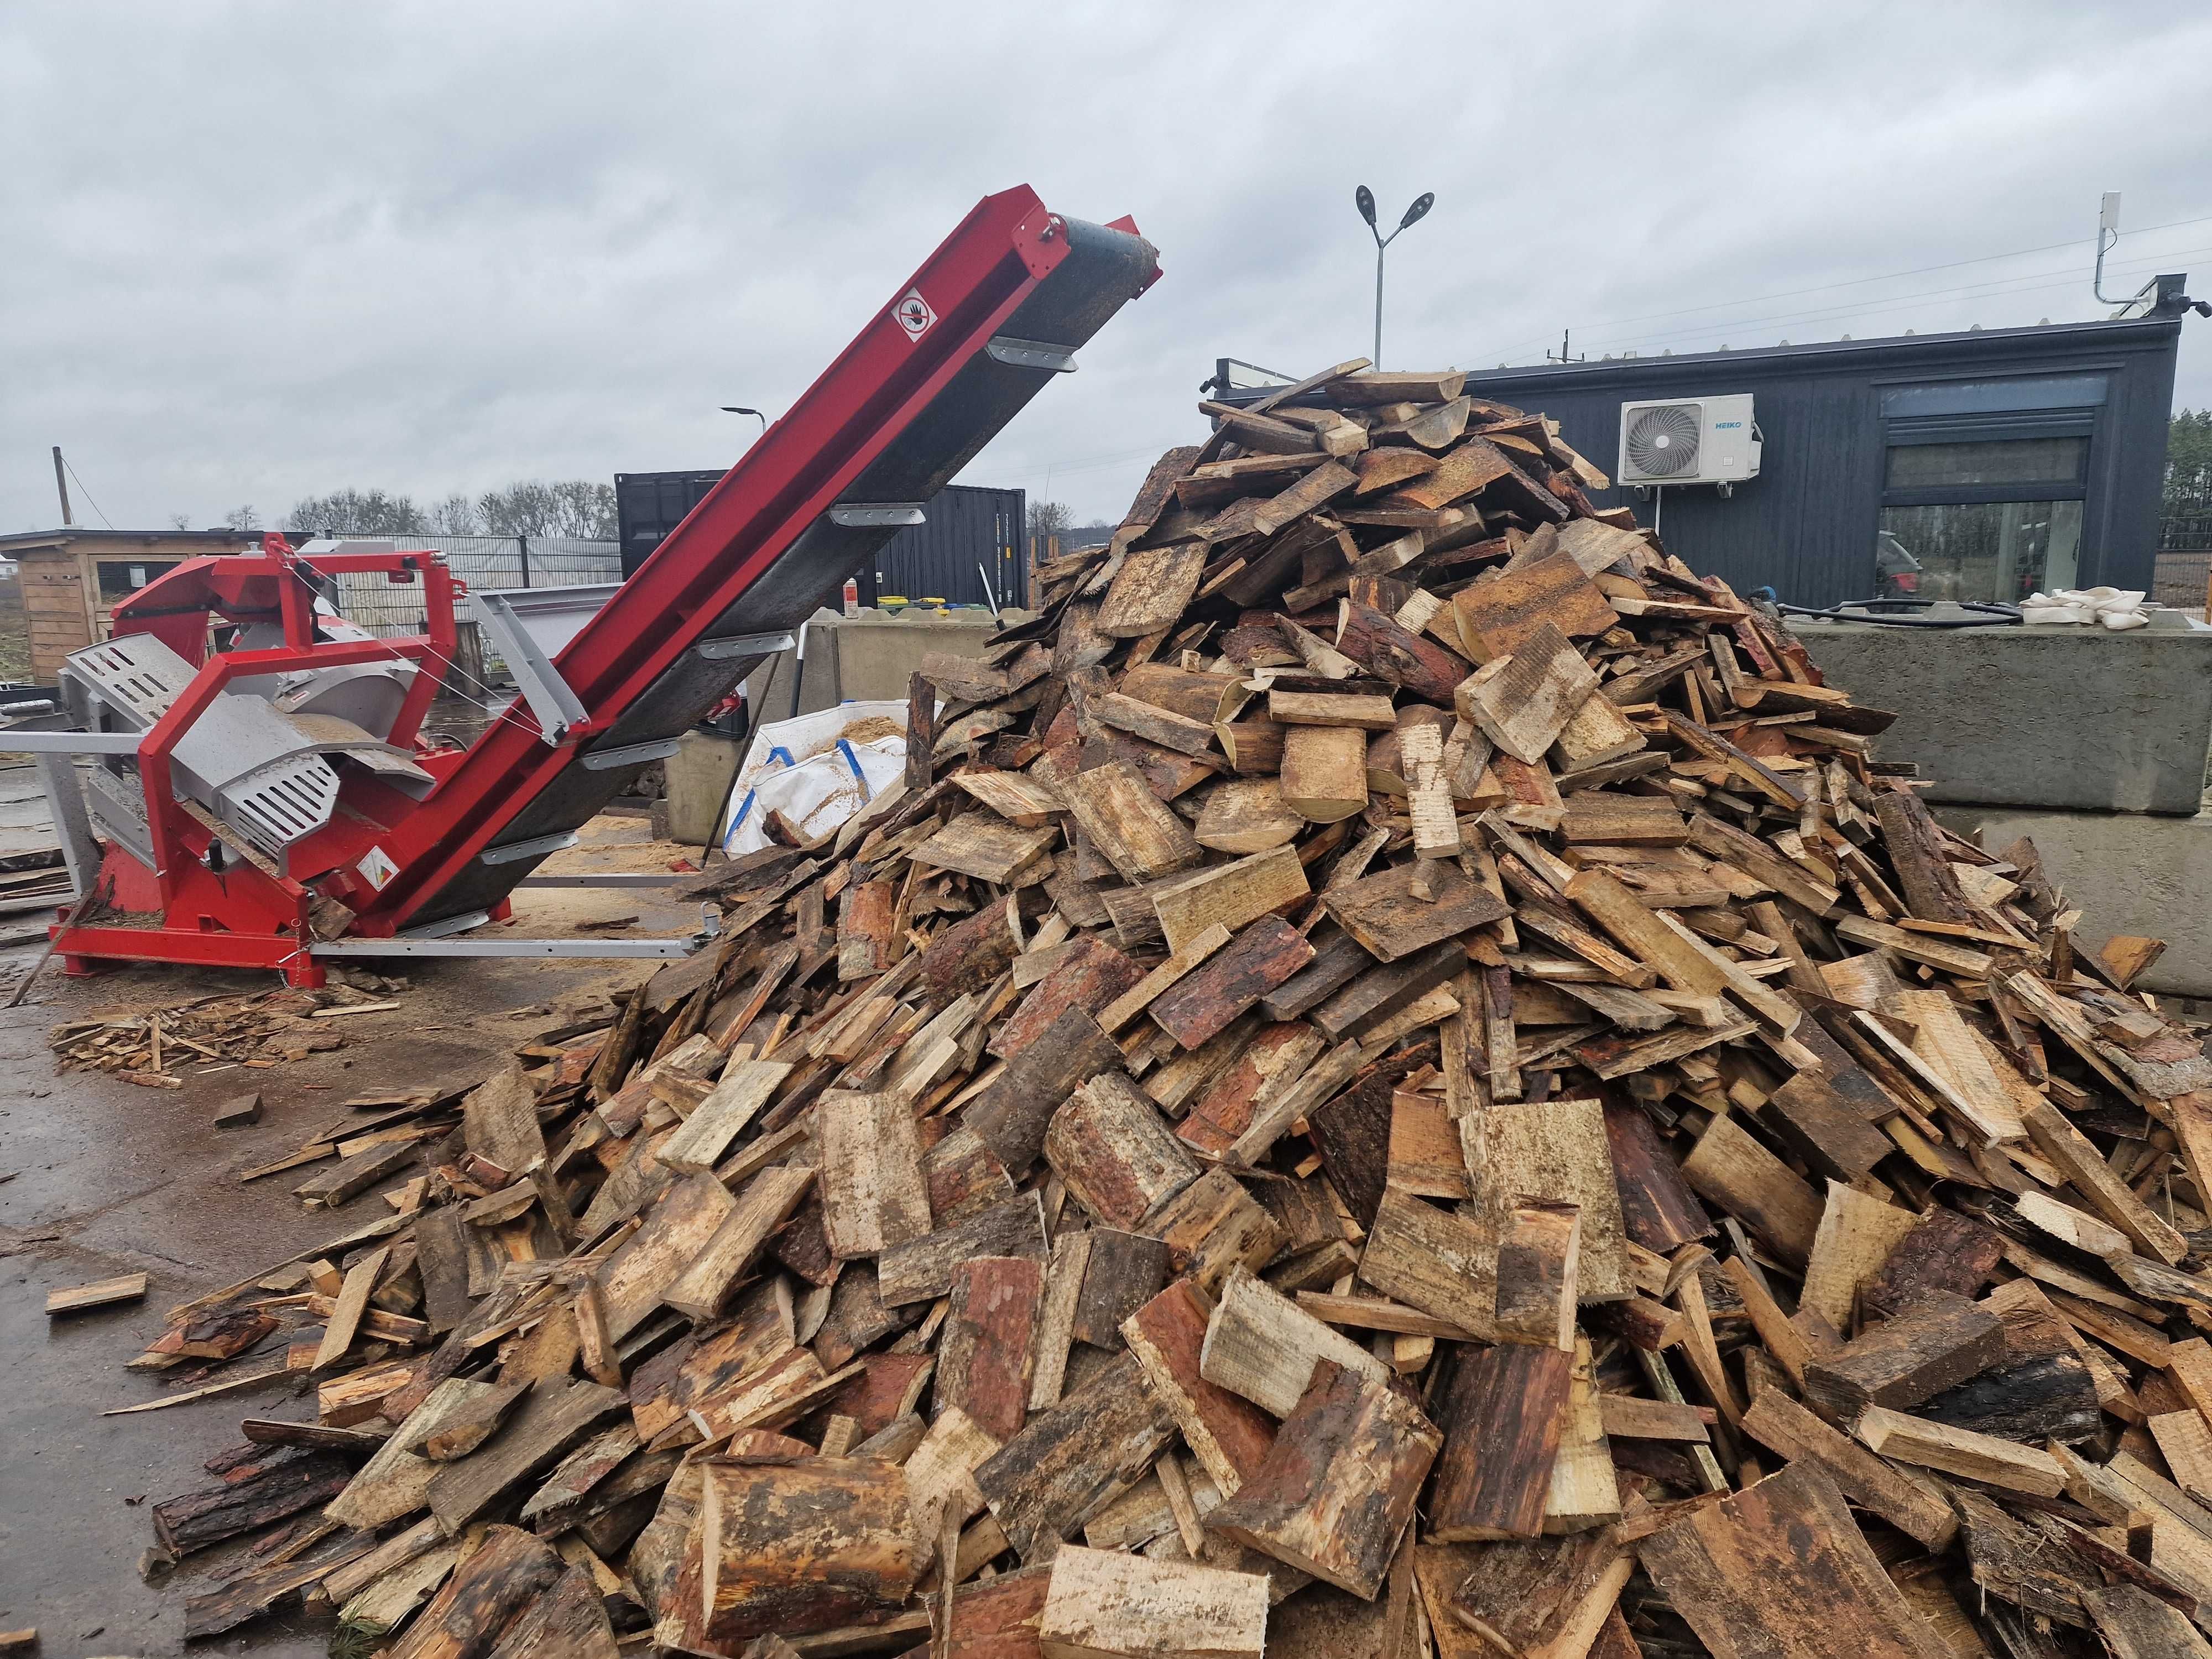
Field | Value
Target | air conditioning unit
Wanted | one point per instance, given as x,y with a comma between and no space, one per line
1688,440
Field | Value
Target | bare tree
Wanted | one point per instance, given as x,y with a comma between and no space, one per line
359,512
181,521
242,517
1049,518
574,506
455,516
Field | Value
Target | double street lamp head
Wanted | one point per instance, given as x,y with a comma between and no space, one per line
1364,198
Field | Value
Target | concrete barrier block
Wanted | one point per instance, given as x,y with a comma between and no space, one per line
2035,717
2129,872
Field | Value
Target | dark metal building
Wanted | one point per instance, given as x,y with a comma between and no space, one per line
1999,460
965,527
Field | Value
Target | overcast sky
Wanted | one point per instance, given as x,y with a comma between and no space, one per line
250,252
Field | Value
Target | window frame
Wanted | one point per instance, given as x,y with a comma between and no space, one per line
1998,411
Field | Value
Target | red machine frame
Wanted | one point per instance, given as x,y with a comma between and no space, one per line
240,915
918,368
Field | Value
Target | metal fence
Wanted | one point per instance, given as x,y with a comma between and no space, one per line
2180,578
485,563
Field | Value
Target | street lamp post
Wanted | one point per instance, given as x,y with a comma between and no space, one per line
739,409
1365,198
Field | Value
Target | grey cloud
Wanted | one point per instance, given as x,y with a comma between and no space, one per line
258,250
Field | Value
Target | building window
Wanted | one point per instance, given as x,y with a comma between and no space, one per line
1984,487
1988,461
120,578
1987,550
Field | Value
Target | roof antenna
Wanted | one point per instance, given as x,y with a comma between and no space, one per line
2108,238
2163,294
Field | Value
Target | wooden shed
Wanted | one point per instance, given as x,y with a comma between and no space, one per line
72,578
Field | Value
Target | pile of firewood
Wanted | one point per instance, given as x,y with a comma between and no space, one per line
1394,1080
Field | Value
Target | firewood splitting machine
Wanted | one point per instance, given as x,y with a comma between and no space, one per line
259,793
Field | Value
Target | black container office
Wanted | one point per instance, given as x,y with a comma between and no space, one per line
1998,460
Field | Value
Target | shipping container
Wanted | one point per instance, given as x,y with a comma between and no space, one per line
966,528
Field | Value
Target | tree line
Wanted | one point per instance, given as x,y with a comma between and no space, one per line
570,506
2188,464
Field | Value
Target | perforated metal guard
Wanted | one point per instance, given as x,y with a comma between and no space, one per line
136,675
278,803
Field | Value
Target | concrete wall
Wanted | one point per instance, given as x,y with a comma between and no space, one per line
2035,717
699,775
2129,872
873,656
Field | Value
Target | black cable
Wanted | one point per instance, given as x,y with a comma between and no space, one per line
1992,616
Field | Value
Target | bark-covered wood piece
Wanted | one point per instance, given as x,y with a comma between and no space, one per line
1823,1128
260,1493
987,1350
1388,989
1910,837
1353,1133
1539,1263
1090,976
1125,1270
1212,1227
1938,1342
923,1270
1067,1464
569,1621
1338,960
456,1434
1502,1421
1336,1493
488,1594
1204,1002
1115,1152
2136,1625
1229,1436
815,1544
1781,1569
1552,1597
1495,618
2040,1390
1384,913
1946,1251
1658,1210
1012,1112
1413,663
